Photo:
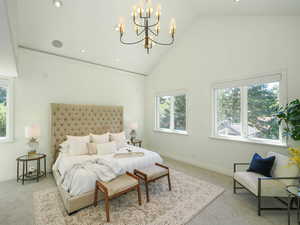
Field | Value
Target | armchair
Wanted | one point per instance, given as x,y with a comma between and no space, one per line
261,186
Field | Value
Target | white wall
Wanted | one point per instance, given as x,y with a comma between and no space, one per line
7,57
47,79
218,49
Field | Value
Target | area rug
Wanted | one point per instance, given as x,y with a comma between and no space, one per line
188,197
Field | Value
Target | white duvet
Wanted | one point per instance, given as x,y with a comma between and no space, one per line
84,179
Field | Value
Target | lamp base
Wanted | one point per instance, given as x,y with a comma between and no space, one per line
132,135
31,152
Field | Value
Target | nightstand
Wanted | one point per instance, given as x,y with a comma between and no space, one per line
136,142
27,175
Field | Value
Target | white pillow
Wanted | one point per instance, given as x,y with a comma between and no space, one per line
64,147
119,138
78,148
281,168
100,139
85,139
106,148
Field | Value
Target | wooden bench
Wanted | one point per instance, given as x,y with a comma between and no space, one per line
119,186
152,174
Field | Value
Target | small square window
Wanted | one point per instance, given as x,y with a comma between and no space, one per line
171,113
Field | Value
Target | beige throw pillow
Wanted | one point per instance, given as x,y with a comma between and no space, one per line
85,139
100,139
92,148
77,148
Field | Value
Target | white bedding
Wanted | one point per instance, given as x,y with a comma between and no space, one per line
84,181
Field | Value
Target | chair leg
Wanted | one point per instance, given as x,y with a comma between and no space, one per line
139,194
96,196
234,186
107,208
147,191
169,181
259,198
258,205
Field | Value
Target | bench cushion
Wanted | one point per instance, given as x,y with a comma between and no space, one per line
153,172
271,188
119,184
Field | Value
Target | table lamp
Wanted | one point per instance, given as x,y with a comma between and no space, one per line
32,133
133,127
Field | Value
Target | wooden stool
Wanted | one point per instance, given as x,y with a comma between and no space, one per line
121,185
152,174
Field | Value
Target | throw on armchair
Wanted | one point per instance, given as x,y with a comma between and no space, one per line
261,186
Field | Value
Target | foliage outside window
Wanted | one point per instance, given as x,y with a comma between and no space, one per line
5,110
247,111
171,113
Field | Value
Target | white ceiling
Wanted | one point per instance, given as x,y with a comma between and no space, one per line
89,25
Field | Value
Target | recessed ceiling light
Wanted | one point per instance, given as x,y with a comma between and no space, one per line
57,3
236,0
82,50
57,43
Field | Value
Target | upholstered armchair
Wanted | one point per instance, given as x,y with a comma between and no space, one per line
260,186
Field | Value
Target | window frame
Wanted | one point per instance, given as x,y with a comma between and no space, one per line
157,116
280,77
9,84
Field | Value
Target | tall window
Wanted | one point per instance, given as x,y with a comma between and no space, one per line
244,110
171,113
5,110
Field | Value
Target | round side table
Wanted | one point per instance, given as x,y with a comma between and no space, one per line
294,194
27,175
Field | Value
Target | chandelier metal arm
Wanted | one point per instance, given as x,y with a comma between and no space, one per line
137,24
144,26
154,33
138,34
130,43
155,24
159,43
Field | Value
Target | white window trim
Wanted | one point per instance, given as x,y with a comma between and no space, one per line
9,83
172,130
273,77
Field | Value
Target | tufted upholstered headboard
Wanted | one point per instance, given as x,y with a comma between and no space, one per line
80,120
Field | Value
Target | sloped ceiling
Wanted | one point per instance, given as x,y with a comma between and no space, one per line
89,25
8,66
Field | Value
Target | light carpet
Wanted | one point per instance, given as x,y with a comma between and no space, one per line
188,197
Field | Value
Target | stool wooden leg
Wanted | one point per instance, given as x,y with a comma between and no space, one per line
139,194
147,191
96,196
107,207
169,181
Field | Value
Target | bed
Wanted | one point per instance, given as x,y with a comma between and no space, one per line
80,120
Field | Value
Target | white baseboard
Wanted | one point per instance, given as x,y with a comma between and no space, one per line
224,171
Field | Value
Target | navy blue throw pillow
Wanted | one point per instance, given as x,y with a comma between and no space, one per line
261,165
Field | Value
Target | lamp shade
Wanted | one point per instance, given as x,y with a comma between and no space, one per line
133,125
32,131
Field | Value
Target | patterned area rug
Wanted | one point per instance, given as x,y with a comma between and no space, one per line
189,195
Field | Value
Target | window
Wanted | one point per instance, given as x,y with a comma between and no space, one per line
171,113
5,110
244,110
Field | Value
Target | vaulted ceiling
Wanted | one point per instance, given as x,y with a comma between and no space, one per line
90,25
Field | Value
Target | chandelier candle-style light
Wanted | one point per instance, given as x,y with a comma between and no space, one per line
147,26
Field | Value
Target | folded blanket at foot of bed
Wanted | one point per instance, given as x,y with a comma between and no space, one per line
100,169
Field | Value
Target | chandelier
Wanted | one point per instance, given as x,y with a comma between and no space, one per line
147,26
